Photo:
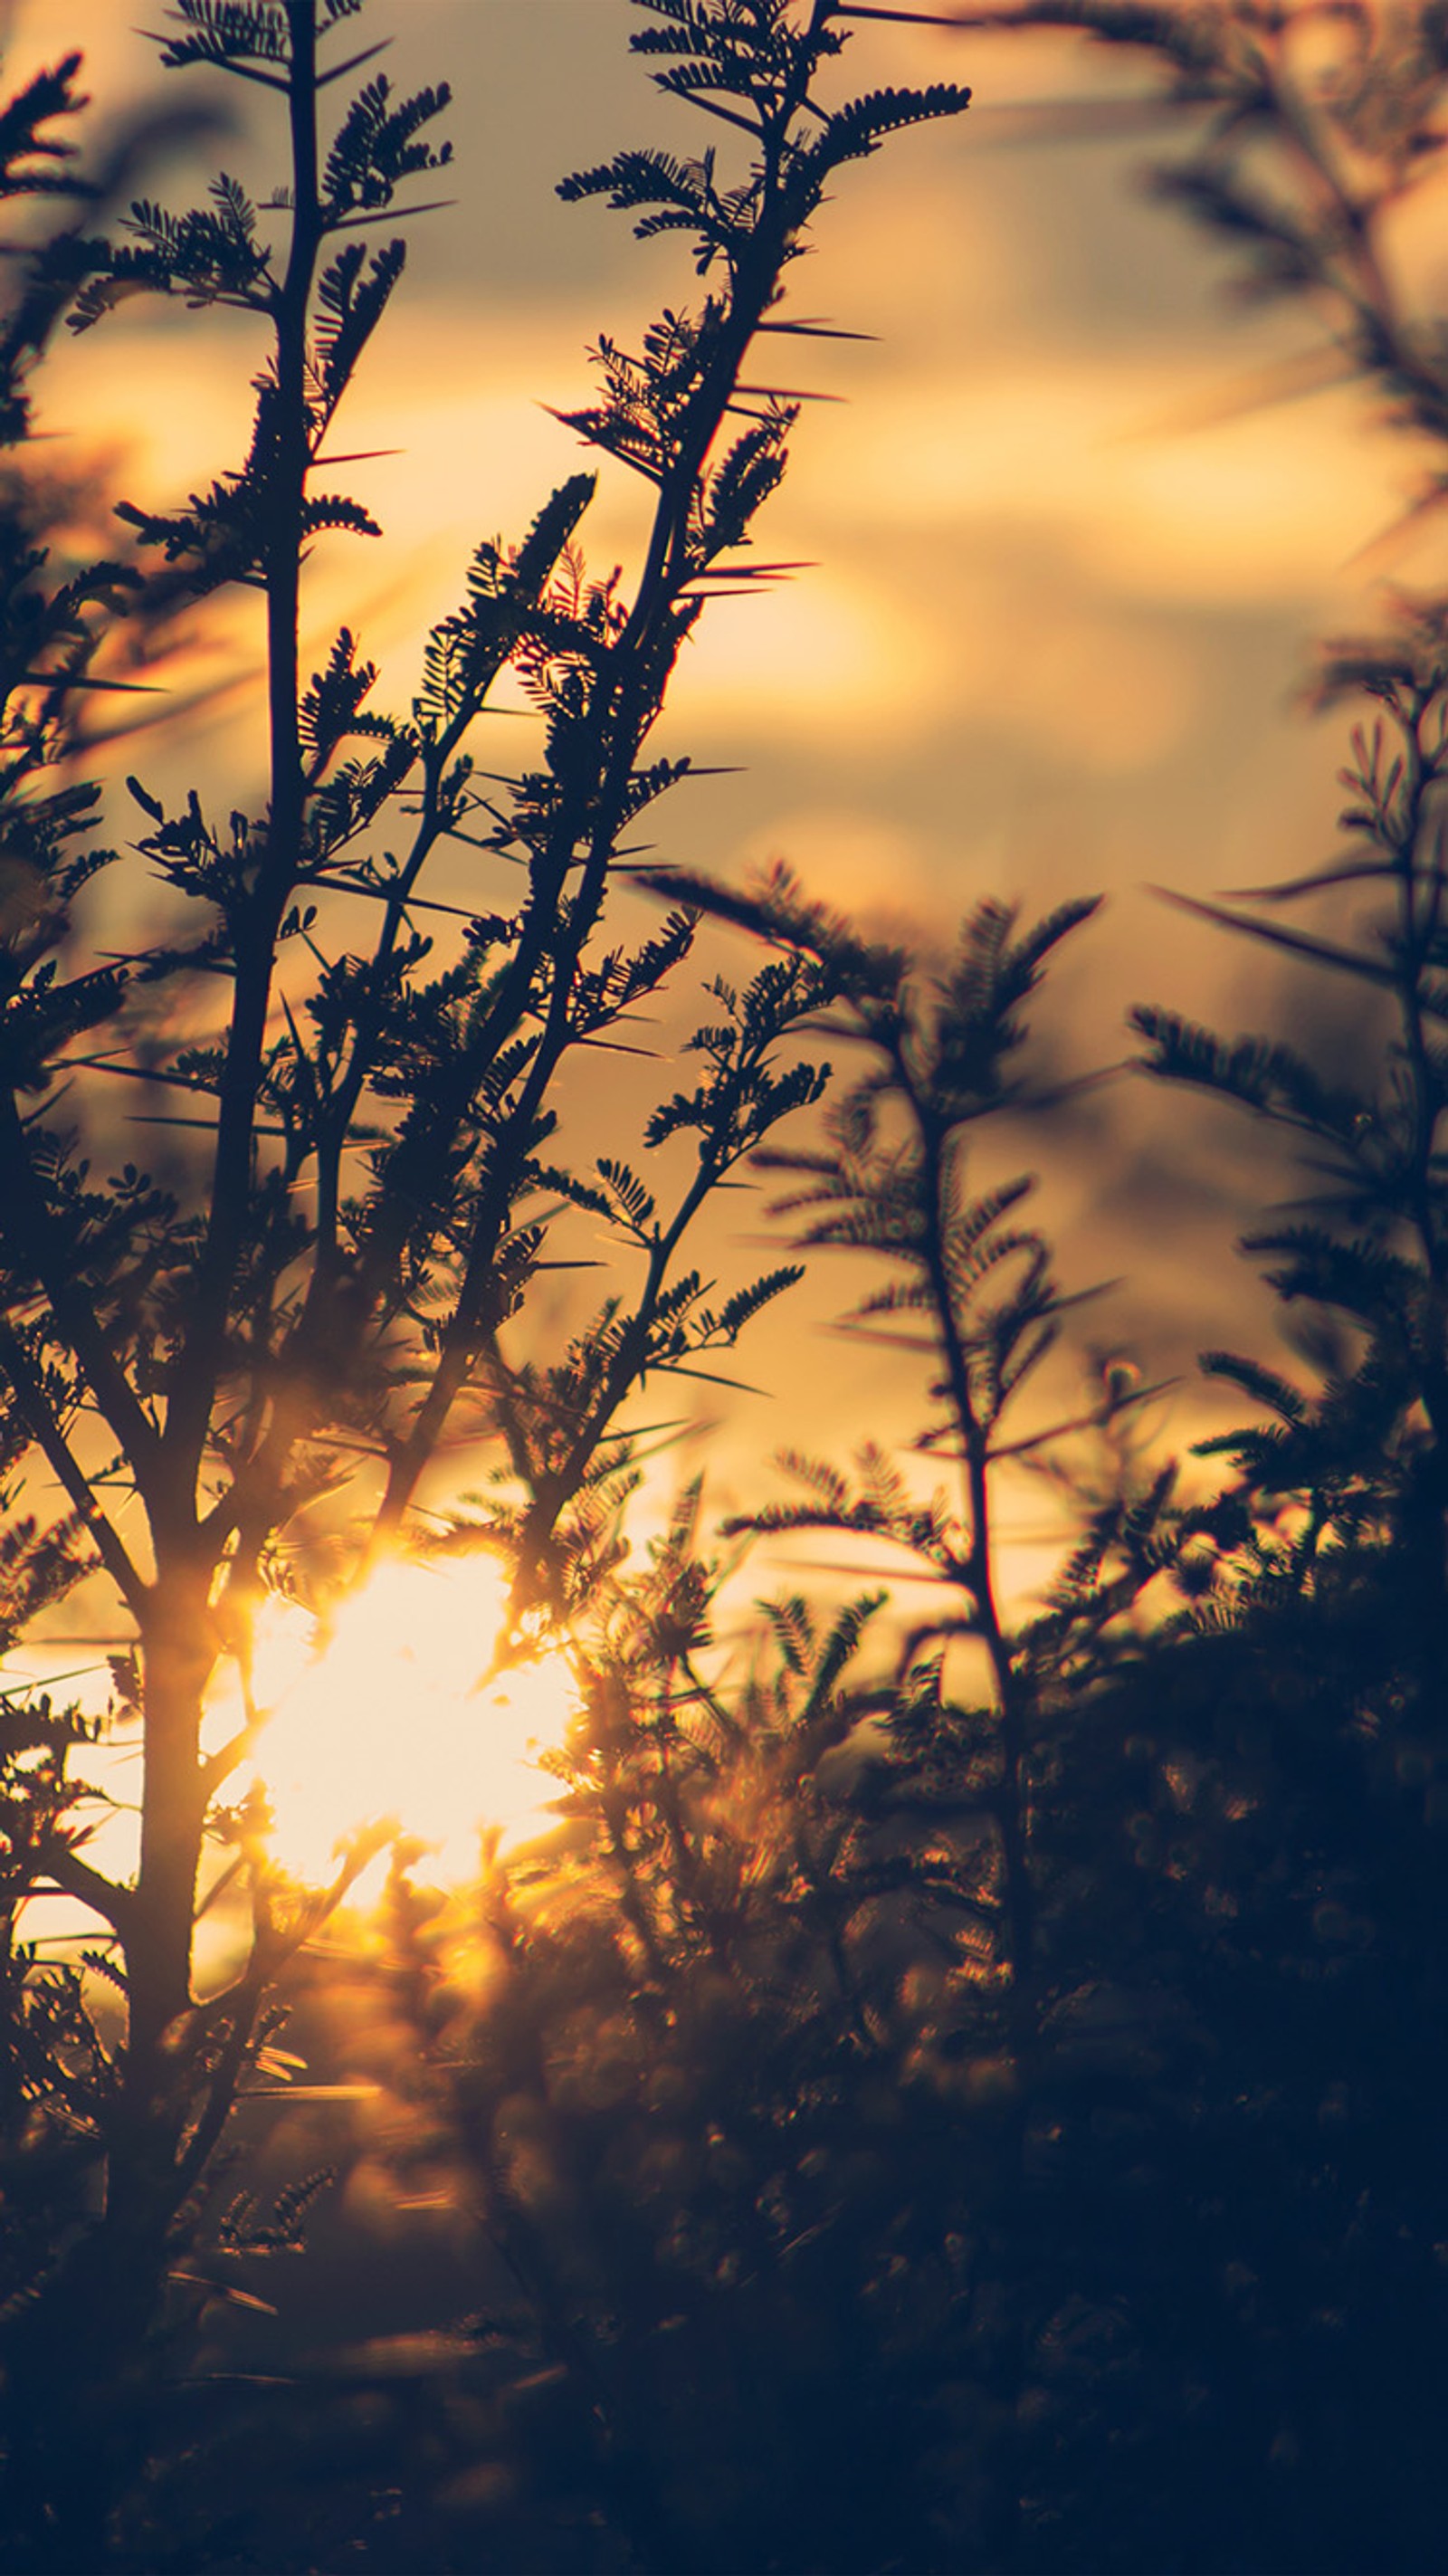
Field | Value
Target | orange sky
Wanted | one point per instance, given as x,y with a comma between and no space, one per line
1058,606
1063,588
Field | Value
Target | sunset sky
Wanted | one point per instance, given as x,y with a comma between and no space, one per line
1065,576
639,1935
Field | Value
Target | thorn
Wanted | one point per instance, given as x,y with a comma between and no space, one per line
390,215
815,330
900,17
359,456
339,71
62,680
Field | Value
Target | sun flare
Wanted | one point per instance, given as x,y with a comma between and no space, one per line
387,1715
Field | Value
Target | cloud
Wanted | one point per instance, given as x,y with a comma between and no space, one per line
1259,508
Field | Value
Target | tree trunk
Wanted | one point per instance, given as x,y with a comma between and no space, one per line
79,2367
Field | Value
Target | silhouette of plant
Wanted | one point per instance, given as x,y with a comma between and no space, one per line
1284,1733
750,2089
337,1257
1180,2269
1302,156
955,2089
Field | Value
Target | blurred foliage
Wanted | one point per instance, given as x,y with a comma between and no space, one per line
815,2196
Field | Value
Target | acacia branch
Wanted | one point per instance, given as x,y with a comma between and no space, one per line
30,1226
75,1877
195,1377
45,1429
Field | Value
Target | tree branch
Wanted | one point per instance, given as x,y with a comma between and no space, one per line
45,1429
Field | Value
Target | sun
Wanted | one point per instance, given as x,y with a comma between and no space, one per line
386,1714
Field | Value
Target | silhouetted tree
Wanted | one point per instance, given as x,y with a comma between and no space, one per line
956,2089
216,1350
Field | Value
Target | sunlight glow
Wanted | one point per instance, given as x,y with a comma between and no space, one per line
388,1716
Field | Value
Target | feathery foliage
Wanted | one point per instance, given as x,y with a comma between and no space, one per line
342,1255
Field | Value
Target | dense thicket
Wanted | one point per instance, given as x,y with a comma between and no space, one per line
961,2090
